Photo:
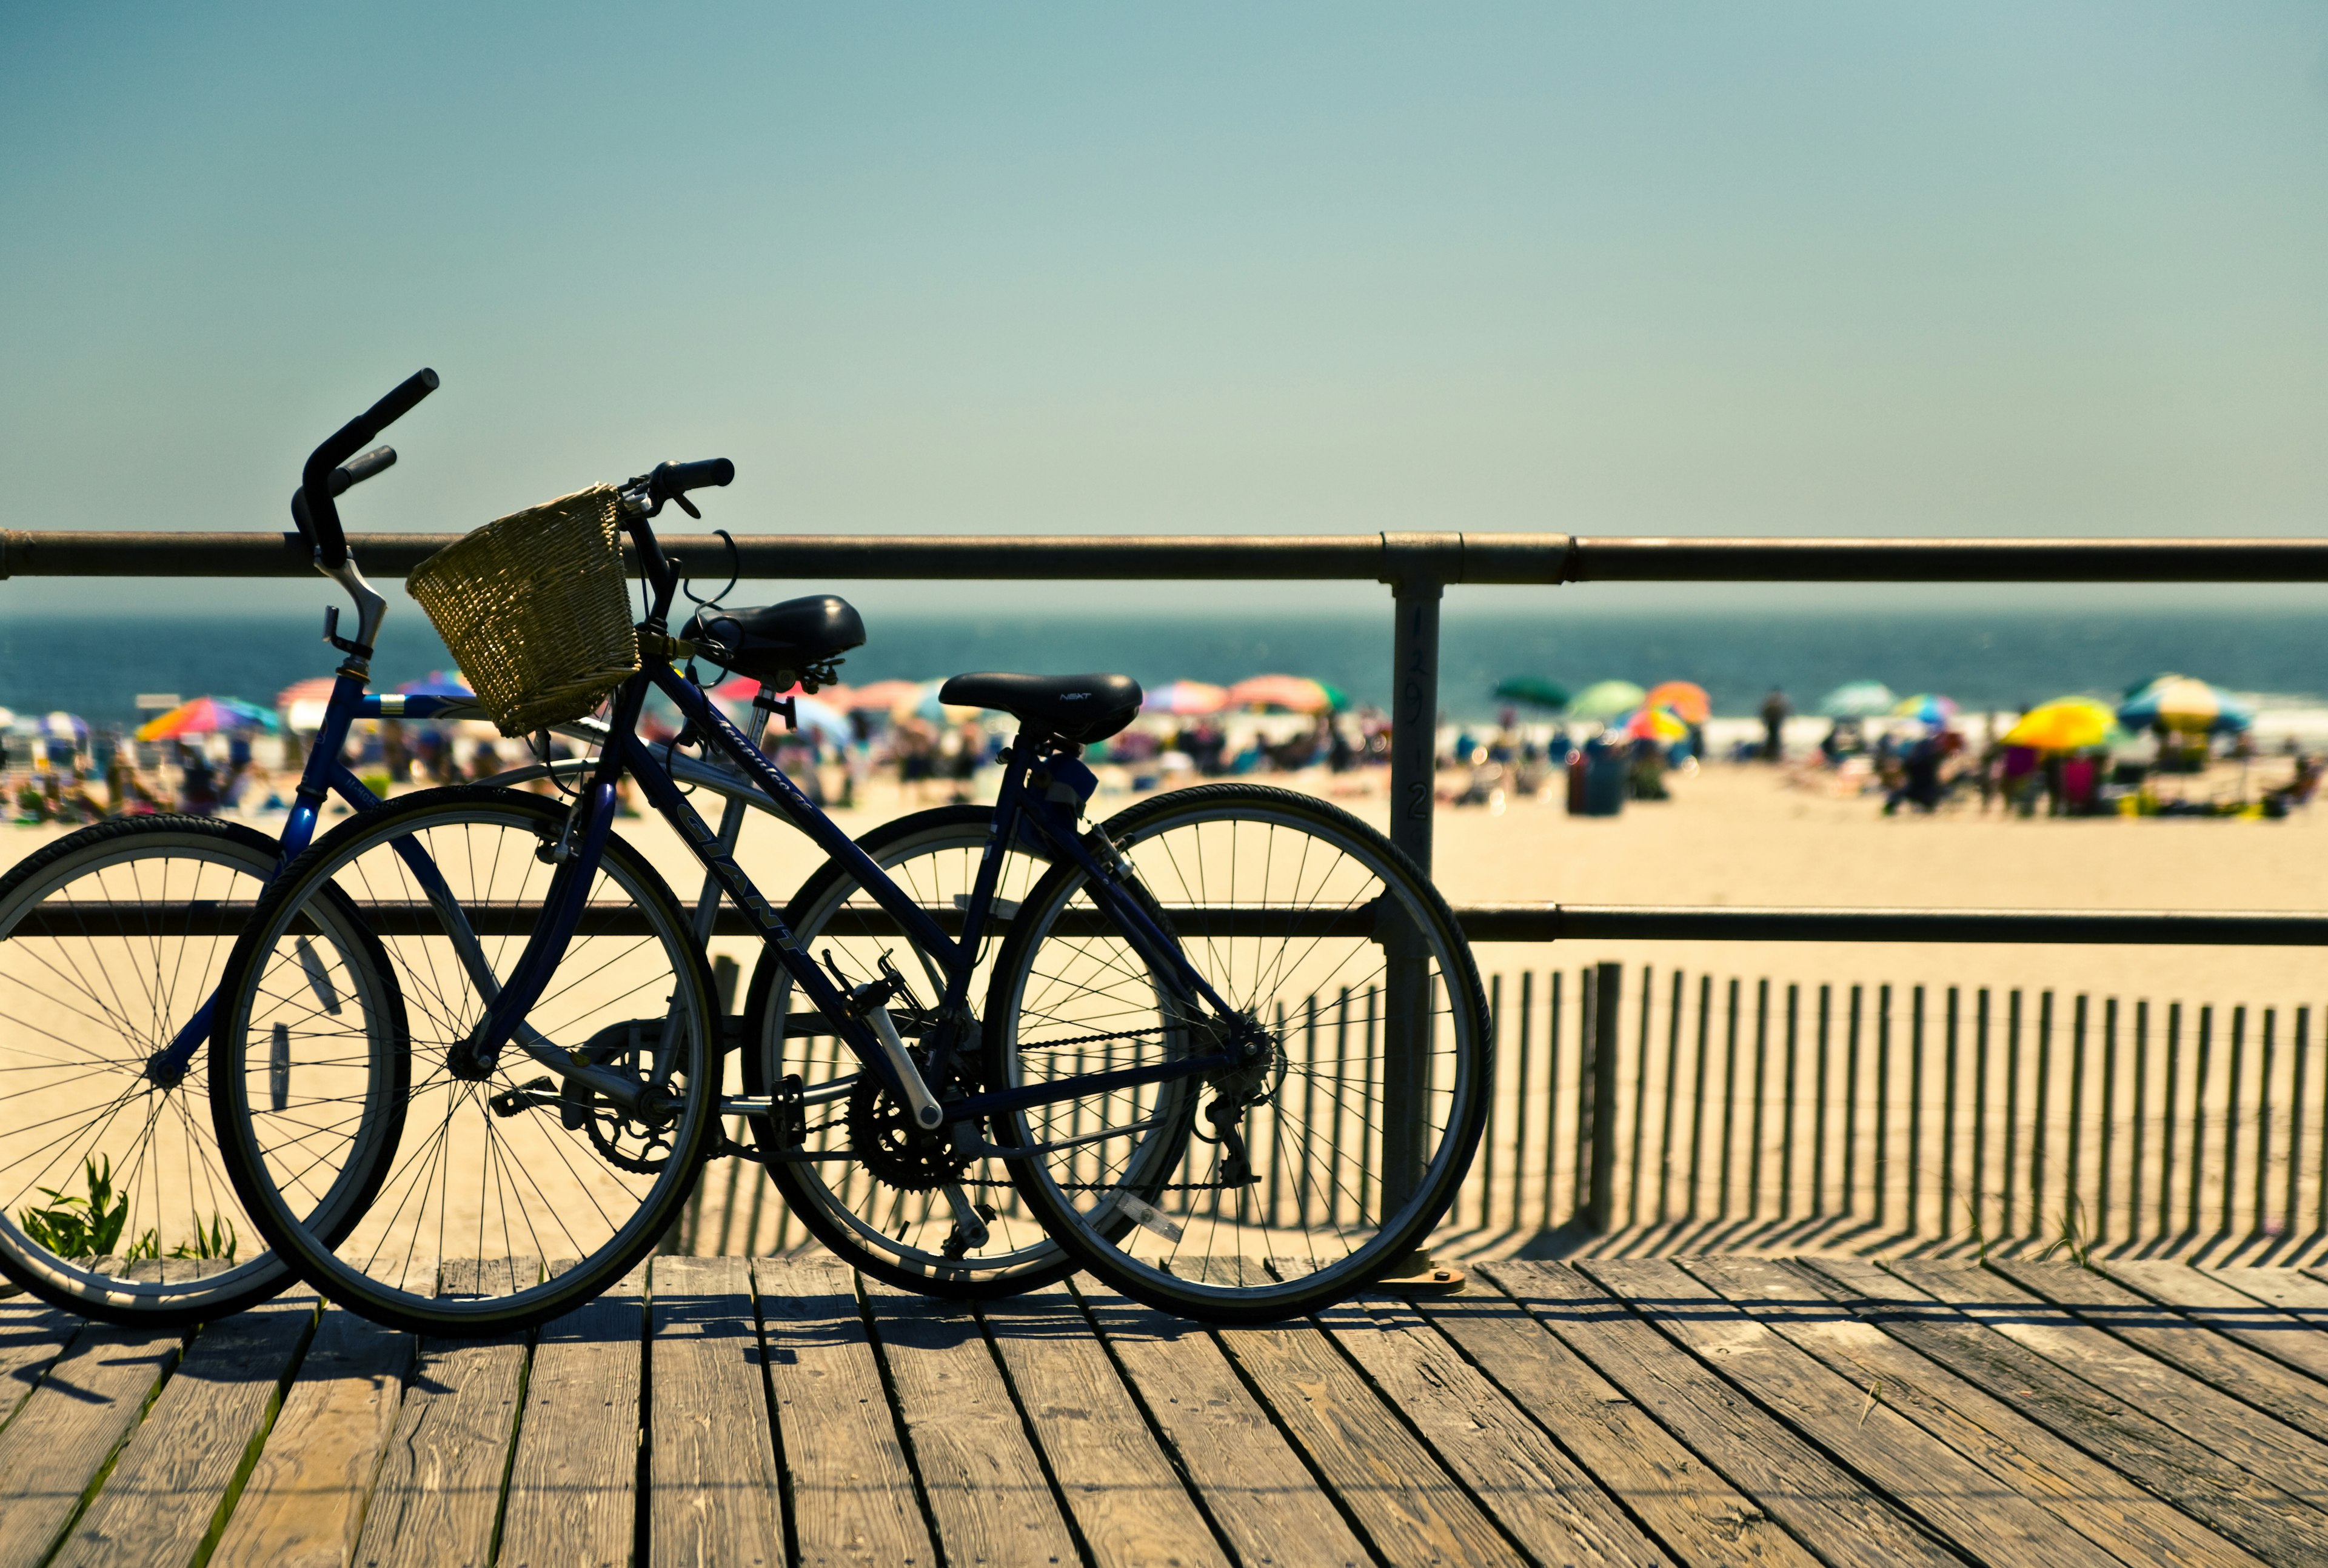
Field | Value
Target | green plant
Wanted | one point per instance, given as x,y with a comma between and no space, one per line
73,1227
216,1241
1979,1236
2073,1239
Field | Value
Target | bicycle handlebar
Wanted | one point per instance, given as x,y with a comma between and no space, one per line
352,473
673,480
321,526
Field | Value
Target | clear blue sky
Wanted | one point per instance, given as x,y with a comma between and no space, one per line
2026,267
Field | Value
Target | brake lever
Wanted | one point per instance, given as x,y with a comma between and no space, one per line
688,506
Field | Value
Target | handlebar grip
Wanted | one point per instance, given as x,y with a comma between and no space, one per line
671,479
360,467
347,476
322,527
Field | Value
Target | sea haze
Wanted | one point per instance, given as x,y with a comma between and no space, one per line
1982,661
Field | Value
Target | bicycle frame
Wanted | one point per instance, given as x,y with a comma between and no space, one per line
325,775
1018,810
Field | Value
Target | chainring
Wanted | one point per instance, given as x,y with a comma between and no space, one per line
622,1141
897,1150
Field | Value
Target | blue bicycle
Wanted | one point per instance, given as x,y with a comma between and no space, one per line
1231,1051
112,941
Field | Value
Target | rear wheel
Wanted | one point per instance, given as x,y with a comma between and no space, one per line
113,1200
1280,1185
516,1189
888,1202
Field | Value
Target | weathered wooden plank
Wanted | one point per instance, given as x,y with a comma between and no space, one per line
2297,1292
1265,1502
2255,1442
439,1488
2279,1528
574,1479
31,1336
1555,1510
1129,1504
1820,1503
304,1502
1701,1518
2097,1501
987,1492
853,1496
2212,1299
170,1484
1954,1496
713,1490
70,1426
1404,1501
2221,1361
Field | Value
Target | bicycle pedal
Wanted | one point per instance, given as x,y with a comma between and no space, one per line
525,1097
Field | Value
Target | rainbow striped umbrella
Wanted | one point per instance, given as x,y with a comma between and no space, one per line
207,716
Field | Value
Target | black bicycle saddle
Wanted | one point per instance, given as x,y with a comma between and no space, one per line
1077,708
778,642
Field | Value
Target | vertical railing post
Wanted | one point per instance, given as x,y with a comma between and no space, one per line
1596,1122
1416,566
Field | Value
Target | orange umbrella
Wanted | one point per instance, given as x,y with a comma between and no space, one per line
1687,699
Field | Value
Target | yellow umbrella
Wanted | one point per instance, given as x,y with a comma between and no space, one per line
2064,724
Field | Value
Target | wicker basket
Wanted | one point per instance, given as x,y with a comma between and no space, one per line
534,608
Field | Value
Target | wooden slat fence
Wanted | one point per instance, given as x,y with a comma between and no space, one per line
1655,1109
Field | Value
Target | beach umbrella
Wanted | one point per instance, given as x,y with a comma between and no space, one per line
924,704
880,696
1688,699
207,716
2190,707
302,702
1662,724
1607,699
1925,707
438,684
1535,690
2064,724
69,727
1291,693
1185,697
1858,699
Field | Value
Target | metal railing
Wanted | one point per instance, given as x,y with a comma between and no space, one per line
1418,567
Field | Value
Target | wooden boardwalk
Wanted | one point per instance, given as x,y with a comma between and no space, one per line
724,1410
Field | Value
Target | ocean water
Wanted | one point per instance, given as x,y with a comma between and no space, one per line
1982,661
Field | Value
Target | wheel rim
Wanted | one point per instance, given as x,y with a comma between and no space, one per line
909,1228
1315,1215
492,1205
99,969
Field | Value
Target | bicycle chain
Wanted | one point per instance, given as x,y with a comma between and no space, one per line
1088,1186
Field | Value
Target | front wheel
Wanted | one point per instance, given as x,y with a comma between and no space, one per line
510,1191
1276,1186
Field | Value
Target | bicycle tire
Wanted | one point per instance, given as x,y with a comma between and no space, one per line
1250,1264
533,1189
855,1222
106,880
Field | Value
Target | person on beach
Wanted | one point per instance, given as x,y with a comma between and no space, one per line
1776,710
198,792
